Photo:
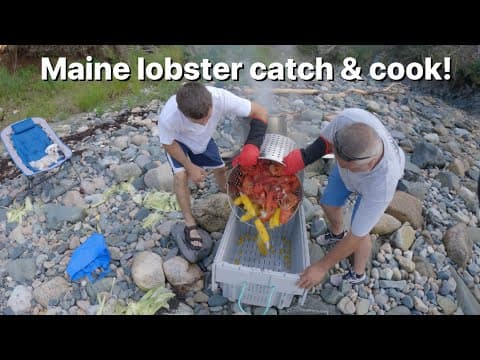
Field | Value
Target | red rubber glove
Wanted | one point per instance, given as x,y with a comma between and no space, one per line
293,162
248,156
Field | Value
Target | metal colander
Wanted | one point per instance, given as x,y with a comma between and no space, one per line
274,148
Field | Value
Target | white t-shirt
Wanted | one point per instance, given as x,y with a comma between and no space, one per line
376,187
173,125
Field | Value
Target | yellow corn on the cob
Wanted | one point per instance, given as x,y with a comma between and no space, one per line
246,217
275,219
262,247
238,200
249,208
263,239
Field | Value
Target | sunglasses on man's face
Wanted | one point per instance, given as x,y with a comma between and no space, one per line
341,154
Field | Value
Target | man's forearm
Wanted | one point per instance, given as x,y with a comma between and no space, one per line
258,112
256,135
175,151
316,150
258,125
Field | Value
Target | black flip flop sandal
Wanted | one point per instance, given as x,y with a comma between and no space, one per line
189,239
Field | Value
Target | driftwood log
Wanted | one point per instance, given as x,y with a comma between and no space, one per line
392,88
287,91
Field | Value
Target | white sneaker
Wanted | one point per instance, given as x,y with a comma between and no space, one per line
353,278
328,238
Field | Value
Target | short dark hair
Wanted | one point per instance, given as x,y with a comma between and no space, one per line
356,142
194,100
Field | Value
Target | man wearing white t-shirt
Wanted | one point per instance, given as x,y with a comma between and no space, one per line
186,125
370,164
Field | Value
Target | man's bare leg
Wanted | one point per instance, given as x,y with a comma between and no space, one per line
221,178
180,185
335,218
362,254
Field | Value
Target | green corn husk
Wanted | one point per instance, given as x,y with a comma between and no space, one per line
137,199
103,299
152,219
17,214
149,304
116,189
161,202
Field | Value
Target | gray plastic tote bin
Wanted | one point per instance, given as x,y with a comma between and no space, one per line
242,272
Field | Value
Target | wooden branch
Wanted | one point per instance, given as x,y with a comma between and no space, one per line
286,91
279,91
386,90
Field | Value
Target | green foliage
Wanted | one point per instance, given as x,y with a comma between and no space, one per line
465,59
24,94
472,72
335,54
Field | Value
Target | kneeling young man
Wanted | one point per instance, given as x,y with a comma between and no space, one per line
186,125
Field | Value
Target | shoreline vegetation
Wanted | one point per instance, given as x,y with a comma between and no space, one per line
24,94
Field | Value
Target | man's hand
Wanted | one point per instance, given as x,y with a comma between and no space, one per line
248,156
196,173
312,275
293,162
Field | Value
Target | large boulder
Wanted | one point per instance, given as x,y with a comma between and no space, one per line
159,178
405,207
193,256
147,270
386,225
20,301
404,237
212,213
427,155
458,244
52,289
125,172
181,274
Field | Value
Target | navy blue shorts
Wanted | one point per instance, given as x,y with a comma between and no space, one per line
210,159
